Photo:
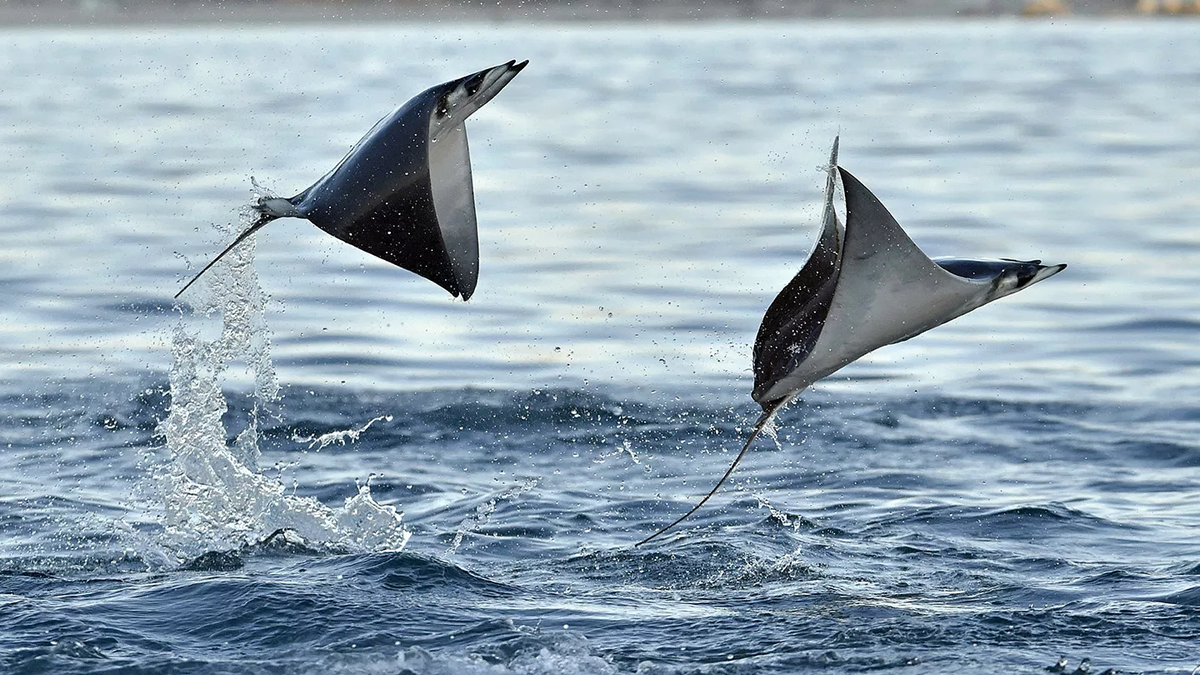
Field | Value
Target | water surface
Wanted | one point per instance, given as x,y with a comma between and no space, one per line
1008,489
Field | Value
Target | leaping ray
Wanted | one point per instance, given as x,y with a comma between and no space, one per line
865,285
404,193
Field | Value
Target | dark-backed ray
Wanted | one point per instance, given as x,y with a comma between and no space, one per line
404,192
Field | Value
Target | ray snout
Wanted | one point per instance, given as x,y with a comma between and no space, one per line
1045,272
484,85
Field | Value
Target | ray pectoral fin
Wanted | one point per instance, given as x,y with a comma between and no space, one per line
758,427
454,205
262,220
793,322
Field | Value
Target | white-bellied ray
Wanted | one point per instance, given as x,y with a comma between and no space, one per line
404,192
865,285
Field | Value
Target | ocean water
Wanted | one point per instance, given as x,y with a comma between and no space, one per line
319,463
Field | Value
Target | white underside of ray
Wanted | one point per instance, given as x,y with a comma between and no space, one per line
888,290
454,202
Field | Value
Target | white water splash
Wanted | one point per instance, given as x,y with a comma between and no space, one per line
560,654
483,512
783,518
213,495
770,428
625,449
348,435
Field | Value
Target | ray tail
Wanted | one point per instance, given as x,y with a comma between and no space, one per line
758,427
263,219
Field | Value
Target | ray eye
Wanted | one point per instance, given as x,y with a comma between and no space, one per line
472,85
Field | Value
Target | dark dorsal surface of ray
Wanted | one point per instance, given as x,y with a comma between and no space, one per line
404,192
792,324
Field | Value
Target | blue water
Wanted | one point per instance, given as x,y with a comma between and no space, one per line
460,484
